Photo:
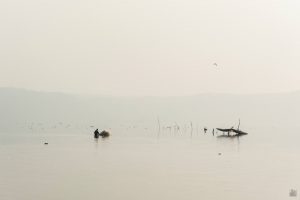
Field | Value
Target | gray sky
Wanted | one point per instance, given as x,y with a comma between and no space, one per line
150,47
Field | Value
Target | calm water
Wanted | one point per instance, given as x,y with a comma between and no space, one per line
144,165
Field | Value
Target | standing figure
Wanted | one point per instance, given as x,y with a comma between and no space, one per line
96,133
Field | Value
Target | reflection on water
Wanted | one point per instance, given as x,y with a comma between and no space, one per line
231,136
145,166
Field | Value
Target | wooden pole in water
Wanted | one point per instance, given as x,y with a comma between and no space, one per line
158,125
177,127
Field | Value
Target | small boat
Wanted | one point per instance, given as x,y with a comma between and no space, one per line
229,130
237,131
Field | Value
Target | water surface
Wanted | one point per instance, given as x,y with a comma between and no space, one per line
145,164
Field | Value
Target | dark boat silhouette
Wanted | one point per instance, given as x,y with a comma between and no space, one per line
229,130
237,131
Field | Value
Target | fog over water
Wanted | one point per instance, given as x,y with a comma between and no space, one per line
29,109
155,74
140,160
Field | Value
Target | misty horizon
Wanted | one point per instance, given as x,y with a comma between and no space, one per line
136,95
149,99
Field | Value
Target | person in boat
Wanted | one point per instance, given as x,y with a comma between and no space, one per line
96,133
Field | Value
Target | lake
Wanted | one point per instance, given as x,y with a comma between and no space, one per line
147,164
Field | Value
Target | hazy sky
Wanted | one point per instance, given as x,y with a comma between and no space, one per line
150,47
